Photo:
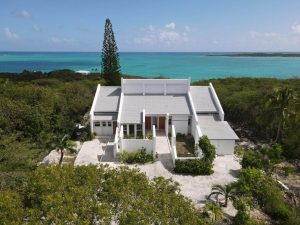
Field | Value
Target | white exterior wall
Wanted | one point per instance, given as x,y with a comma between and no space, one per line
224,147
155,86
103,131
93,107
130,145
181,123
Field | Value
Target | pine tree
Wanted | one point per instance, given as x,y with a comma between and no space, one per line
110,66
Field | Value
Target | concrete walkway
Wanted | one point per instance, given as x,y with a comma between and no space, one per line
91,152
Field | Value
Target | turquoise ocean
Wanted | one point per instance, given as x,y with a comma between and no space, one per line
197,66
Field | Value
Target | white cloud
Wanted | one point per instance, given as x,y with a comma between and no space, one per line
168,34
264,35
171,26
56,40
187,28
24,13
296,28
36,28
10,35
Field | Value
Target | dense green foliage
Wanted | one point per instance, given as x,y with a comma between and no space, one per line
110,66
202,166
264,159
246,102
208,149
139,156
266,192
36,111
193,167
85,195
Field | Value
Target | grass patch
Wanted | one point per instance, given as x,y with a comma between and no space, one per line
185,145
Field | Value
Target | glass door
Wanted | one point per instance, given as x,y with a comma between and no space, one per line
154,121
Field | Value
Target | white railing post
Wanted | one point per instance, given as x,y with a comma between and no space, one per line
121,138
144,131
154,140
167,125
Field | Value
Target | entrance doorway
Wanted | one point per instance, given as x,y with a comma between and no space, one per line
154,121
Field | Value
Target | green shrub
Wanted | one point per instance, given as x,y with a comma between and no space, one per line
253,182
193,167
208,150
139,156
203,166
243,212
289,170
274,153
255,159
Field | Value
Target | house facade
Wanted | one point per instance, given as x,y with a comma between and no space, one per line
139,106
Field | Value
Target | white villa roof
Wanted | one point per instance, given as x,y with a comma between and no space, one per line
203,100
133,106
108,99
211,126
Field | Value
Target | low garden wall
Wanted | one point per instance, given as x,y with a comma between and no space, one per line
130,145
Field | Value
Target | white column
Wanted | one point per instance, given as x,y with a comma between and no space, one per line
167,124
144,131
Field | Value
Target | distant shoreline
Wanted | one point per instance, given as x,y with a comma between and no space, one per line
259,54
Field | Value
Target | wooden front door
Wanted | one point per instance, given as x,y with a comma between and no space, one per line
162,122
148,122
114,126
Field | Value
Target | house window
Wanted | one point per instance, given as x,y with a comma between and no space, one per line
109,124
189,121
97,124
125,129
170,121
103,123
139,132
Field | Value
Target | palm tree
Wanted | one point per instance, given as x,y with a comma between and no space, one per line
227,191
65,144
214,211
279,102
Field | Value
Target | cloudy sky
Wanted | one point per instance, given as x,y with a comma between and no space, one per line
151,25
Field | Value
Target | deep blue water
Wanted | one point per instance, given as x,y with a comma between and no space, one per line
174,65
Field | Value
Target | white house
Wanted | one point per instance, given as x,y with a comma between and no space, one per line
138,105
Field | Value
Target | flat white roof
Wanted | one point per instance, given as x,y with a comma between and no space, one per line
211,126
108,99
203,100
133,106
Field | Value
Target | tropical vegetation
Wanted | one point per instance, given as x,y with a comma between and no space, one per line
90,195
110,66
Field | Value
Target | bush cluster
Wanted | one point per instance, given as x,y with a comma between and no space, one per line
193,166
263,159
139,156
203,166
253,182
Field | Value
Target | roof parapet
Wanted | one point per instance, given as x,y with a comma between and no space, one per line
217,101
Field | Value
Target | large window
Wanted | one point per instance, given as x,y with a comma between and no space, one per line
139,130
125,129
109,123
97,124
103,123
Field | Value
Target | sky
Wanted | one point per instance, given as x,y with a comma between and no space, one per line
151,25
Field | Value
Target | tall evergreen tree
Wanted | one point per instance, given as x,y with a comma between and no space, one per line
110,66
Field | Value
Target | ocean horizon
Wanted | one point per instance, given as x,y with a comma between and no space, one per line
196,65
